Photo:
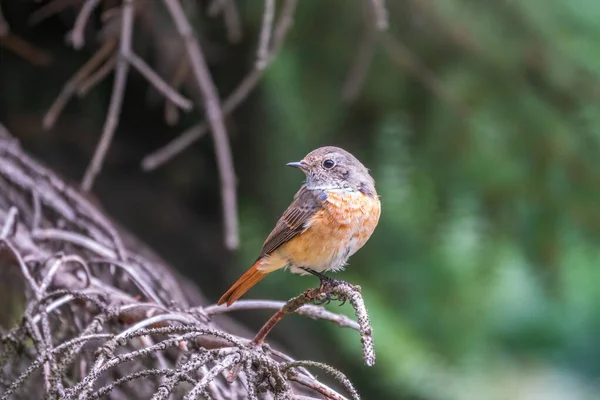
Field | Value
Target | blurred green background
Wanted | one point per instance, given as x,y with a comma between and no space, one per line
479,121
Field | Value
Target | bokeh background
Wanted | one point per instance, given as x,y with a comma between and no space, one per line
479,121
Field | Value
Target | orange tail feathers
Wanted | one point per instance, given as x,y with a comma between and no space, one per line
242,285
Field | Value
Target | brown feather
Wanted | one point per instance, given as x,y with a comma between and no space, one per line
294,220
242,285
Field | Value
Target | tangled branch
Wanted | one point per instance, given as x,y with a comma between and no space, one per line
102,320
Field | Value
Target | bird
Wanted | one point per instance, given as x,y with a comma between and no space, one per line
333,215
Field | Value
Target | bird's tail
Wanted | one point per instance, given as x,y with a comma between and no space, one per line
242,285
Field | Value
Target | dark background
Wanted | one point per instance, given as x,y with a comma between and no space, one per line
479,121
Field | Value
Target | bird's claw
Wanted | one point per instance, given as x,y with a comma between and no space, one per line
327,298
327,285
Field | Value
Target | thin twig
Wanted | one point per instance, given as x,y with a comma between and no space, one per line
317,386
76,36
231,17
116,101
181,71
381,14
340,377
10,224
191,135
213,111
262,54
158,82
289,307
308,310
26,50
50,9
343,291
88,84
71,86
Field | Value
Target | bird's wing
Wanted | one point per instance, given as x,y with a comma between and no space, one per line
294,220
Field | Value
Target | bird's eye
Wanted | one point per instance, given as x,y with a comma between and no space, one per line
328,164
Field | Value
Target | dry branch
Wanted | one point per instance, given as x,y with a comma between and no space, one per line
24,49
212,106
103,320
231,18
76,36
240,93
116,101
343,292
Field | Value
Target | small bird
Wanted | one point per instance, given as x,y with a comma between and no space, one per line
332,216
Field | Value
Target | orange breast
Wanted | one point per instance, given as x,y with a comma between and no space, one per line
337,231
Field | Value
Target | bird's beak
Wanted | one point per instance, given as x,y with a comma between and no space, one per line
298,164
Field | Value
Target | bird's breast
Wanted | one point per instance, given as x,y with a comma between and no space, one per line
341,227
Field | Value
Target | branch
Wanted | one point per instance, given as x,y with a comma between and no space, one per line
308,310
177,78
25,49
76,36
381,14
162,86
241,92
88,84
116,101
72,84
212,107
49,9
231,18
343,291
262,55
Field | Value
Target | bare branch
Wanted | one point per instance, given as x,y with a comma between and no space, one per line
308,310
181,71
231,18
212,107
341,378
25,49
49,9
317,386
10,224
116,101
265,35
76,36
343,291
87,84
191,135
71,86
158,82
381,14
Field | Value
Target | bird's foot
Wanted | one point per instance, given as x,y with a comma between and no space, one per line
325,288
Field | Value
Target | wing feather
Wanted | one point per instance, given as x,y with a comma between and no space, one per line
294,220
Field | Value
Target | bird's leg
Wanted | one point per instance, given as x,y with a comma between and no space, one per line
327,283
